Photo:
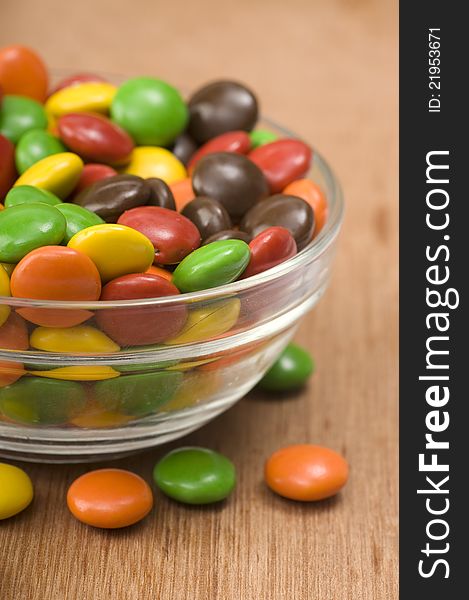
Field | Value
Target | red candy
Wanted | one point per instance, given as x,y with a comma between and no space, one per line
172,235
13,336
7,166
91,173
75,80
95,138
269,248
23,73
140,325
282,162
233,141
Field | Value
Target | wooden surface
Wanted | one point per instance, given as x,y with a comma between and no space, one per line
328,70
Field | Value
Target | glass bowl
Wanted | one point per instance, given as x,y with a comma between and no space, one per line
70,407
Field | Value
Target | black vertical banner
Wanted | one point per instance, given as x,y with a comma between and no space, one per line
434,270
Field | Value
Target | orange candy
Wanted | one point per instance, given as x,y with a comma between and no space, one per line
182,192
23,73
13,336
56,273
305,472
109,498
153,270
313,195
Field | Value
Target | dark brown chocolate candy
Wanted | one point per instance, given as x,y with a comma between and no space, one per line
290,212
232,179
208,215
219,107
229,234
184,148
112,196
161,194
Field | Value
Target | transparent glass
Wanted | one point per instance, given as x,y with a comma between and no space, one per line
123,400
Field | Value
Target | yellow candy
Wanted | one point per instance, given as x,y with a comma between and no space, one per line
151,161
115,249
4,291
9,268
52,124
195,389
209,321
72,339
78,373
58,173
85,97
187,366
16,491
95,417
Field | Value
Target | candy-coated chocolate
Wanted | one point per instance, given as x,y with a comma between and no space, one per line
95,138
182,192
58,173
151,161
115,249
150,110
111,196
16,490
91,173
77,218
220,107
14,333
4,291
184,147
81,339
269,248
79,373
25,227
212,265
35,145
10,371
232,179
76,79
109,498
208,215
9,267
282,162
233,141
208,322
7,165
291,212
305,472
195,388
260,137
172,235
314,196
40,401
290,371
138,326
28,194
19,115
229,234
138,395
56,273
96,417
154,270
23,72
92,96
195,475
161,194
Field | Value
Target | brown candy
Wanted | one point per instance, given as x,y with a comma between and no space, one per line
219,107
229,234
232,179
208,215
184,148
290,212
112,196
161,194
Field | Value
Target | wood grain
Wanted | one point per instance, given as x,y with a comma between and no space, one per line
329,71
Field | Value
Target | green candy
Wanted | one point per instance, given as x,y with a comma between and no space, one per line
25,227
290,371
28,194
212,265
150,110
34,146
77,218
35,400
195,475
138,395
18,115
260,137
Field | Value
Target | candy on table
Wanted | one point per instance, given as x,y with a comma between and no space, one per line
208,215
194,475
290,371
35,145
16,491
109,498
305,472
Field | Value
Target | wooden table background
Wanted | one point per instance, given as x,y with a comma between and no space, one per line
328,70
